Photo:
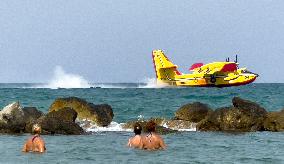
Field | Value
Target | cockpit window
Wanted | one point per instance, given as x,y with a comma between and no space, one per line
246,71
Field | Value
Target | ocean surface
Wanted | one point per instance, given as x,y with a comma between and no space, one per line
137,100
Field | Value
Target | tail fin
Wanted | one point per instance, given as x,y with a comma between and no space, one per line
165,69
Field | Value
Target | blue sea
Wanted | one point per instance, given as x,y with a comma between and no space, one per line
135,100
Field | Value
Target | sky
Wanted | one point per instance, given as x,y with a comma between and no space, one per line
112,40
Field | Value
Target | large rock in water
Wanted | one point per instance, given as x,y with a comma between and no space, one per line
31,114
60,122
159,128
193,112
245,116
213,121
12,119
274,121
102,114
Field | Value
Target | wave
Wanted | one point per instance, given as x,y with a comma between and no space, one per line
89,126
190,129
61,79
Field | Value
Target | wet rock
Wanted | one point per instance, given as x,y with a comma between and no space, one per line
65,114
31,114
159,128
130,124
213,121
275,121
12,119
60,122
245,116
180,124
248,106
102,114
163,130
193,112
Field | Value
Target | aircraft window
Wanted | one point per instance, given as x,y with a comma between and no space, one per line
246,71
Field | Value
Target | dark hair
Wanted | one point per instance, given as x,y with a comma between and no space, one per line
151,126
137,129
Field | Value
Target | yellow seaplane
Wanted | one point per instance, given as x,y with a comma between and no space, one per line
216,74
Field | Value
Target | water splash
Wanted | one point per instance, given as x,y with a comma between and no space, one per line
61,79
113,85
152,83
90,126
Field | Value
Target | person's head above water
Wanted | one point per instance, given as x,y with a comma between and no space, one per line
36,129
151,126
137,128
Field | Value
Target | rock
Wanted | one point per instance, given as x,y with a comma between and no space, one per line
102,114
245,116
249,106
213,121
163,130
56,122
193,112
65,114
12,119
31,114
275,121
159,128
130,124
180,124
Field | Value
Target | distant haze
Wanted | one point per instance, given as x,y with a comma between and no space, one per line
112,41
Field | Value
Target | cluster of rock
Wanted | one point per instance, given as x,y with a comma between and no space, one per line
242,116
61,118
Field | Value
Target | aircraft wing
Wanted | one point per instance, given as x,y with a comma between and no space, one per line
212,68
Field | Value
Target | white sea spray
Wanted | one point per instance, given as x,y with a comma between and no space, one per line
90,126
152,83
62,79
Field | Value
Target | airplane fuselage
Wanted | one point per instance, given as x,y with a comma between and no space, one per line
216,74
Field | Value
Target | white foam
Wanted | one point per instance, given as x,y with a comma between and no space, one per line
89,126
109,86
187,130
192,128
61,79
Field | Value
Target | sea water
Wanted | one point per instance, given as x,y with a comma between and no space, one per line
132,101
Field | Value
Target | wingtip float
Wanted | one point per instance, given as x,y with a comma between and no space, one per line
215,74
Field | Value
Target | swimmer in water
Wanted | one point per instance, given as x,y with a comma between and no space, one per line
35,143
136,141
152,141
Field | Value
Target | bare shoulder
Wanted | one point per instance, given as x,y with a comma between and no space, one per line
39,139
157,136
